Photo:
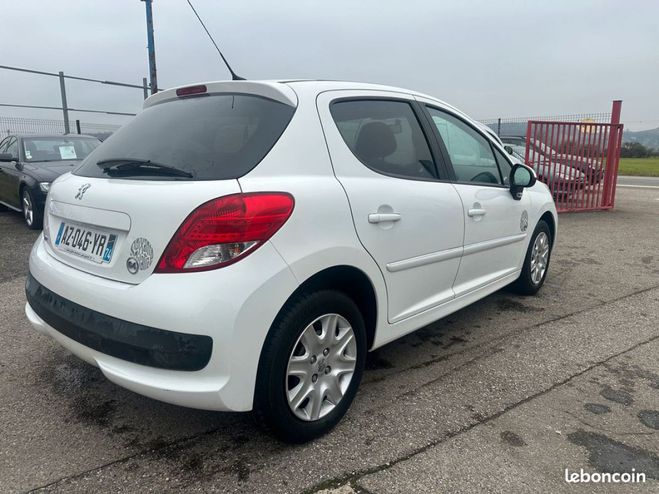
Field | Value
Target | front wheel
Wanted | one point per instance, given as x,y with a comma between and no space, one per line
536,261
32,215
311,366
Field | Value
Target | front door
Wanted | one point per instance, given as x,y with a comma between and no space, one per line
496,224
9,174
407,219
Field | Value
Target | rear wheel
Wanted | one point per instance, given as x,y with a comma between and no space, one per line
536,262
311,366
33,217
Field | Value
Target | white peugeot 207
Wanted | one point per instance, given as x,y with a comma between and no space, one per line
241,245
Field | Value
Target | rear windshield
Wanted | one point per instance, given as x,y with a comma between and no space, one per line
213,137
57,148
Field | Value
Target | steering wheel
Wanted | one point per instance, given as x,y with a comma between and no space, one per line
485,177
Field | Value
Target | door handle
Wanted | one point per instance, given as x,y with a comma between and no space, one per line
476,212
382,217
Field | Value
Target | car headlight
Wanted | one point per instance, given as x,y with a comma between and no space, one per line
44,186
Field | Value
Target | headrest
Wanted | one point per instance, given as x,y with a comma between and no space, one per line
376,140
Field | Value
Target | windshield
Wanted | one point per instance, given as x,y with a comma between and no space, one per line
63,148
211,137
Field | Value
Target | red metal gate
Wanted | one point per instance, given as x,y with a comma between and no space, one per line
577,160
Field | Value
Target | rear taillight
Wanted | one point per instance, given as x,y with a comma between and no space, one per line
224,230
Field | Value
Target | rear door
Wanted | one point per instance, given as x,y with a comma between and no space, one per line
407,218
496,225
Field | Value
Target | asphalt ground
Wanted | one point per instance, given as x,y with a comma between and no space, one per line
631,181
502,396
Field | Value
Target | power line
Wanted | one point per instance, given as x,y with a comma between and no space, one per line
69,109
52,74
233,74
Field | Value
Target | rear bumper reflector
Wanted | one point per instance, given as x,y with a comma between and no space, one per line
118,338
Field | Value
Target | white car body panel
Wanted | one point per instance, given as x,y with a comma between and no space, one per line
434,261
418,255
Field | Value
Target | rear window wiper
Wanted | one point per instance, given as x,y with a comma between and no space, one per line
132,166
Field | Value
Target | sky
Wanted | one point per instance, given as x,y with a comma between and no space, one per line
503,58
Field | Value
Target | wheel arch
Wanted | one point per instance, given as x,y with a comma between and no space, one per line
354,283
551,222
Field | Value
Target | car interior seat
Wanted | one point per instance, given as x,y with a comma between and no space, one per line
374,143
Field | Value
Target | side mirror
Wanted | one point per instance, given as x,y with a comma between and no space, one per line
521,176
509,149
6,157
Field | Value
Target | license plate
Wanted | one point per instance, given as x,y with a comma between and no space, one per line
88,243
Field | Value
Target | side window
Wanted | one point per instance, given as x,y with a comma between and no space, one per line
471,154
504,166
3,144
386,136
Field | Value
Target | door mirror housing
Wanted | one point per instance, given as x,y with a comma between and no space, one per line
521,176
7,157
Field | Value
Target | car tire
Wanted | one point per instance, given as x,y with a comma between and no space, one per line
277,406
31,214
536,261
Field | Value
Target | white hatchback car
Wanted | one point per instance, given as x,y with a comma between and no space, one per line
241,245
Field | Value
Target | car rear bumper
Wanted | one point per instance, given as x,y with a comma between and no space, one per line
129,341
159,384
189,339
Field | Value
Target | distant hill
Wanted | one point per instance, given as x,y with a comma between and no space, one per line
649,138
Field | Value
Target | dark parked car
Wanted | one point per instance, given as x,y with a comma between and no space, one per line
592,172
560,178
28,164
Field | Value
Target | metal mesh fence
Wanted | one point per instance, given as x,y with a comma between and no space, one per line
20,125
509,126
516,126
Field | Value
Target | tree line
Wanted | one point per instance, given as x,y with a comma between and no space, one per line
637,150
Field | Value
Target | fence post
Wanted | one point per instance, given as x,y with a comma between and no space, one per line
611,172
499,127
65,108
78,126
146,88
528,143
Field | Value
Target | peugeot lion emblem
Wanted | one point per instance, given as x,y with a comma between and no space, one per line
82,190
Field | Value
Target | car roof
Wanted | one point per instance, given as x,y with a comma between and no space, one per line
288,90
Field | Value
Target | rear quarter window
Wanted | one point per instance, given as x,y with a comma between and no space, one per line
386,136
213,137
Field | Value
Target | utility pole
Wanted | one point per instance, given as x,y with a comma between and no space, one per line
65,106
151,46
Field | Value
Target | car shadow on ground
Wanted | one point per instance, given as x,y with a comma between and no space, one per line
90,400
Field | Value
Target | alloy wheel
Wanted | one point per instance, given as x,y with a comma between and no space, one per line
320,367
28,210
539,257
